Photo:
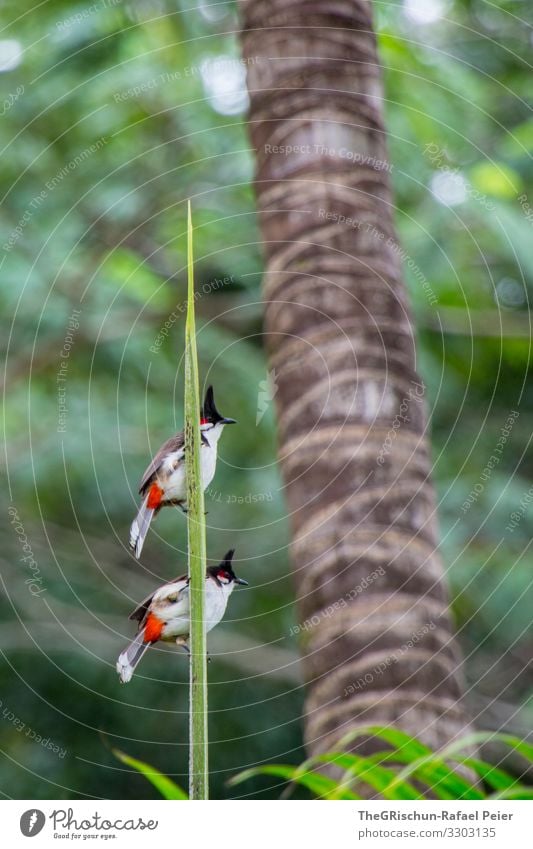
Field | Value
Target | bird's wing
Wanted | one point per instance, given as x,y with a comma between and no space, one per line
182,603
172,445
141,610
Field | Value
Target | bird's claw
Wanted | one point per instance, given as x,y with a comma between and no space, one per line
183,645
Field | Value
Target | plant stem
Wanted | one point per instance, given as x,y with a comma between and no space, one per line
198,743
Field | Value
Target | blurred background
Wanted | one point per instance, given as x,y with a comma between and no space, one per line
112,115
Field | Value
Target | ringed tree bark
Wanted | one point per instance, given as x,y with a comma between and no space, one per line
377,643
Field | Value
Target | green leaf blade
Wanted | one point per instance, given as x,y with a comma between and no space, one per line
166,787
320,785
198,737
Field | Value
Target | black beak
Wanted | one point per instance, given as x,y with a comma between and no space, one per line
241,582
229,421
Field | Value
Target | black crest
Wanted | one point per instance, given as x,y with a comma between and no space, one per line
209,410
225,568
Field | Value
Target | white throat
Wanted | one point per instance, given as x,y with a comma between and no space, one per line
213,434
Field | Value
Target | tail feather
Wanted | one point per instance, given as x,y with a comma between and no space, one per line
130,657
139,527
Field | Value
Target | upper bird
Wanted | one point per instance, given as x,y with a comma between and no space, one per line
164,480
165,615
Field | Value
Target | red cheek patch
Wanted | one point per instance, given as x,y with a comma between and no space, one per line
152,629
154,496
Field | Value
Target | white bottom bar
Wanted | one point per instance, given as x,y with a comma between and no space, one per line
266,824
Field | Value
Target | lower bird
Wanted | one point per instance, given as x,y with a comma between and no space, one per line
164,481
165,615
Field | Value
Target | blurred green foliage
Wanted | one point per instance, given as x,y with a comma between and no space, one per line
112,115
390,772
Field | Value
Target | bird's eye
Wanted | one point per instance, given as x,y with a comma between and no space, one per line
172,598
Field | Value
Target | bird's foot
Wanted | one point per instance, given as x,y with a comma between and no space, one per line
181,643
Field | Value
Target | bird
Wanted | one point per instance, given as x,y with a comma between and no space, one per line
164,481
165,614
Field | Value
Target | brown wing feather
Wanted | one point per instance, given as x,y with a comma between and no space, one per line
142,609
175,443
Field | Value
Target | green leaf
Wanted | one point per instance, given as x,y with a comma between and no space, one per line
423,765
401,741
371,773
443,782
446,782
199,775
318,784
496,778
469,740
520,792
168,788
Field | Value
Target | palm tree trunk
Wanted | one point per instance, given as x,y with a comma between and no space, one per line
375,631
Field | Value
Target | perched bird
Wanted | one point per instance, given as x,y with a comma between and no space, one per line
164,480
165,615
